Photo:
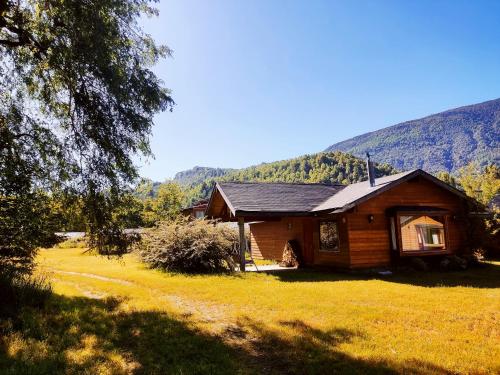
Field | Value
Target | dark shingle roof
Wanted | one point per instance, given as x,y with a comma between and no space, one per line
310,198
276,197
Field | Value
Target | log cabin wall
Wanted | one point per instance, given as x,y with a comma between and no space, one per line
268,239
362,244
340,258
370,242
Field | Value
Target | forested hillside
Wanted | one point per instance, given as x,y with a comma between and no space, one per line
197,175
445,141
325,167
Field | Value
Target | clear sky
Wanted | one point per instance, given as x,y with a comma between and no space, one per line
258,81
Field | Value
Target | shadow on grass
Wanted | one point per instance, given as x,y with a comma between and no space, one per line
487,276
314,351
81,335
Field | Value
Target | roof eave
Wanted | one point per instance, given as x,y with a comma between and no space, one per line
218,188
390,185
243,213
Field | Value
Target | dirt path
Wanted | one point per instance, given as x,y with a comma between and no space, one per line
94,276
202,312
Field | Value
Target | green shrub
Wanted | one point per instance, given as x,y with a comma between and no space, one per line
198,246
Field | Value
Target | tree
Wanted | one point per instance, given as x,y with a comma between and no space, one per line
169,201
481,185
77,100
447,177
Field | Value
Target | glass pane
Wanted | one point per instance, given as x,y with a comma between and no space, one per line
328,235
422,232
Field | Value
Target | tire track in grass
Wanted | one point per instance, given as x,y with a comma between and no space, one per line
203,312
94,276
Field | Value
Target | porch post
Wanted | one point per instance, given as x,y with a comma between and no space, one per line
243,243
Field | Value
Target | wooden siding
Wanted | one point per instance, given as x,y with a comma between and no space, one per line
219,208
370,242
338,258
362,244
268,239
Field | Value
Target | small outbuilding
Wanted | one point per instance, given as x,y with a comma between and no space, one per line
362,225
196,210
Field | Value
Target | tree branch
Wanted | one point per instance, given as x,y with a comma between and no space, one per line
11,43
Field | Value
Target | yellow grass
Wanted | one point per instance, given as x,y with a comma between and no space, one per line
117,316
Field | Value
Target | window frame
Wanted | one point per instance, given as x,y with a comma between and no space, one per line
399,239
199,214
331,250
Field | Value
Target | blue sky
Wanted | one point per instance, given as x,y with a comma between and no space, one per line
258,81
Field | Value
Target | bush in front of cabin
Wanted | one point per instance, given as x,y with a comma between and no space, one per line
199,246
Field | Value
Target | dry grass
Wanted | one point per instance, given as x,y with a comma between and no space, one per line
116,316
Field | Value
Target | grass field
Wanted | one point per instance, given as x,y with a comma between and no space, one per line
116,316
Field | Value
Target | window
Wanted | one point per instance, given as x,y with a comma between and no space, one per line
422,232
328,236
199,214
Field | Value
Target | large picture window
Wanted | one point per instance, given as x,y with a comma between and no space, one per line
328,236
422,232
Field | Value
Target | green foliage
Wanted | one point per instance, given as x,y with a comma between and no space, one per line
168,201
445,141
128,214
141,207
67,213
190,246
325,167
25,224
480,184
165,205
448,178
197,175
77,100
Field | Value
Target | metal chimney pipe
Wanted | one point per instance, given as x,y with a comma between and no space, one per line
370,169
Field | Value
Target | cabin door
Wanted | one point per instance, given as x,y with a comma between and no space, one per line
308,242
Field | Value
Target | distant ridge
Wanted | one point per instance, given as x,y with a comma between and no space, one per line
197,175
444,141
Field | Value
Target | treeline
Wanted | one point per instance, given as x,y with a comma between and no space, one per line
325,167
482,184
149,203
142,206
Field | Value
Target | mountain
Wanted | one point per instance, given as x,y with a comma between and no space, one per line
197,175
442,142
324,167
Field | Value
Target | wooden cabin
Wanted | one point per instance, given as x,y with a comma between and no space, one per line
362,225
196,210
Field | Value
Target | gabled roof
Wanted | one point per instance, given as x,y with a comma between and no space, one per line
355,192
310,199
275,197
